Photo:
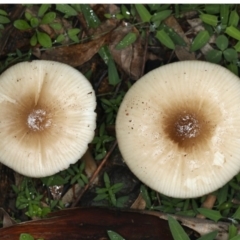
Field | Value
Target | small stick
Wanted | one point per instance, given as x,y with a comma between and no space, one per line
95,174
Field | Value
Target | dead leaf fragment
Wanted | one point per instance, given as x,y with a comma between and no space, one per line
131,58
75,55
91,223
183,53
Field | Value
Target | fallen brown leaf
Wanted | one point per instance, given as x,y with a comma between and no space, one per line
131,58
182,52
92,223
75,55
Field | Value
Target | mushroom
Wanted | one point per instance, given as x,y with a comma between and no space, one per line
47,117
178,128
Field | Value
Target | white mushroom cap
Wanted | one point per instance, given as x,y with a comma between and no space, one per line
47,117
178,128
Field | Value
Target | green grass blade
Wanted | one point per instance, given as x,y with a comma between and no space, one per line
209,236
143,13
200,40
233,32
164,38
177,230
211,214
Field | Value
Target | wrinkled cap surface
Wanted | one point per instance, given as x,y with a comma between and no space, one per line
47,117
178,128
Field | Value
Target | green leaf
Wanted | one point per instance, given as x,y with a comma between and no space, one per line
113,77
224,13
222,194
43,9
236,215
34,22
177,231
73,31
48,18
19,53
44,39
101,190
106,180
84,178
125,12
211,214
178,40
209,236
163,37
232,231
212,8
55,179
233,68
26,236
200,40
28,16
222,42
187,213
237,46
90,16
121,201
74,38
209,19
236,238
230,54
114,236
143,12
154,7
56,26
160,16
233,32
4,13
101,197
4,20
117,187
21,24
67,10
33,40
233,19
126,41
104,53
77,7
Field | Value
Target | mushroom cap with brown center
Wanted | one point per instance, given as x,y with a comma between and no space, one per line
47,117
178,128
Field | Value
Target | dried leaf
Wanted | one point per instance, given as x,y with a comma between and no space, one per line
182,52
75,55
90,164
7,221
91,223
130,58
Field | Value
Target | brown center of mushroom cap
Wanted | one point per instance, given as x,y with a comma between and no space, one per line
38,120
190,126
187,126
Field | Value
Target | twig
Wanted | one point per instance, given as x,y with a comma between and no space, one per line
202,226
95,174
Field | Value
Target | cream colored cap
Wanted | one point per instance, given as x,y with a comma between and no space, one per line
178,128
47,117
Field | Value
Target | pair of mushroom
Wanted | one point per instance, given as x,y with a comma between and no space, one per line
177,127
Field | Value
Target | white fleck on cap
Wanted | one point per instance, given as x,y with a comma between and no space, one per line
47,117
178,128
